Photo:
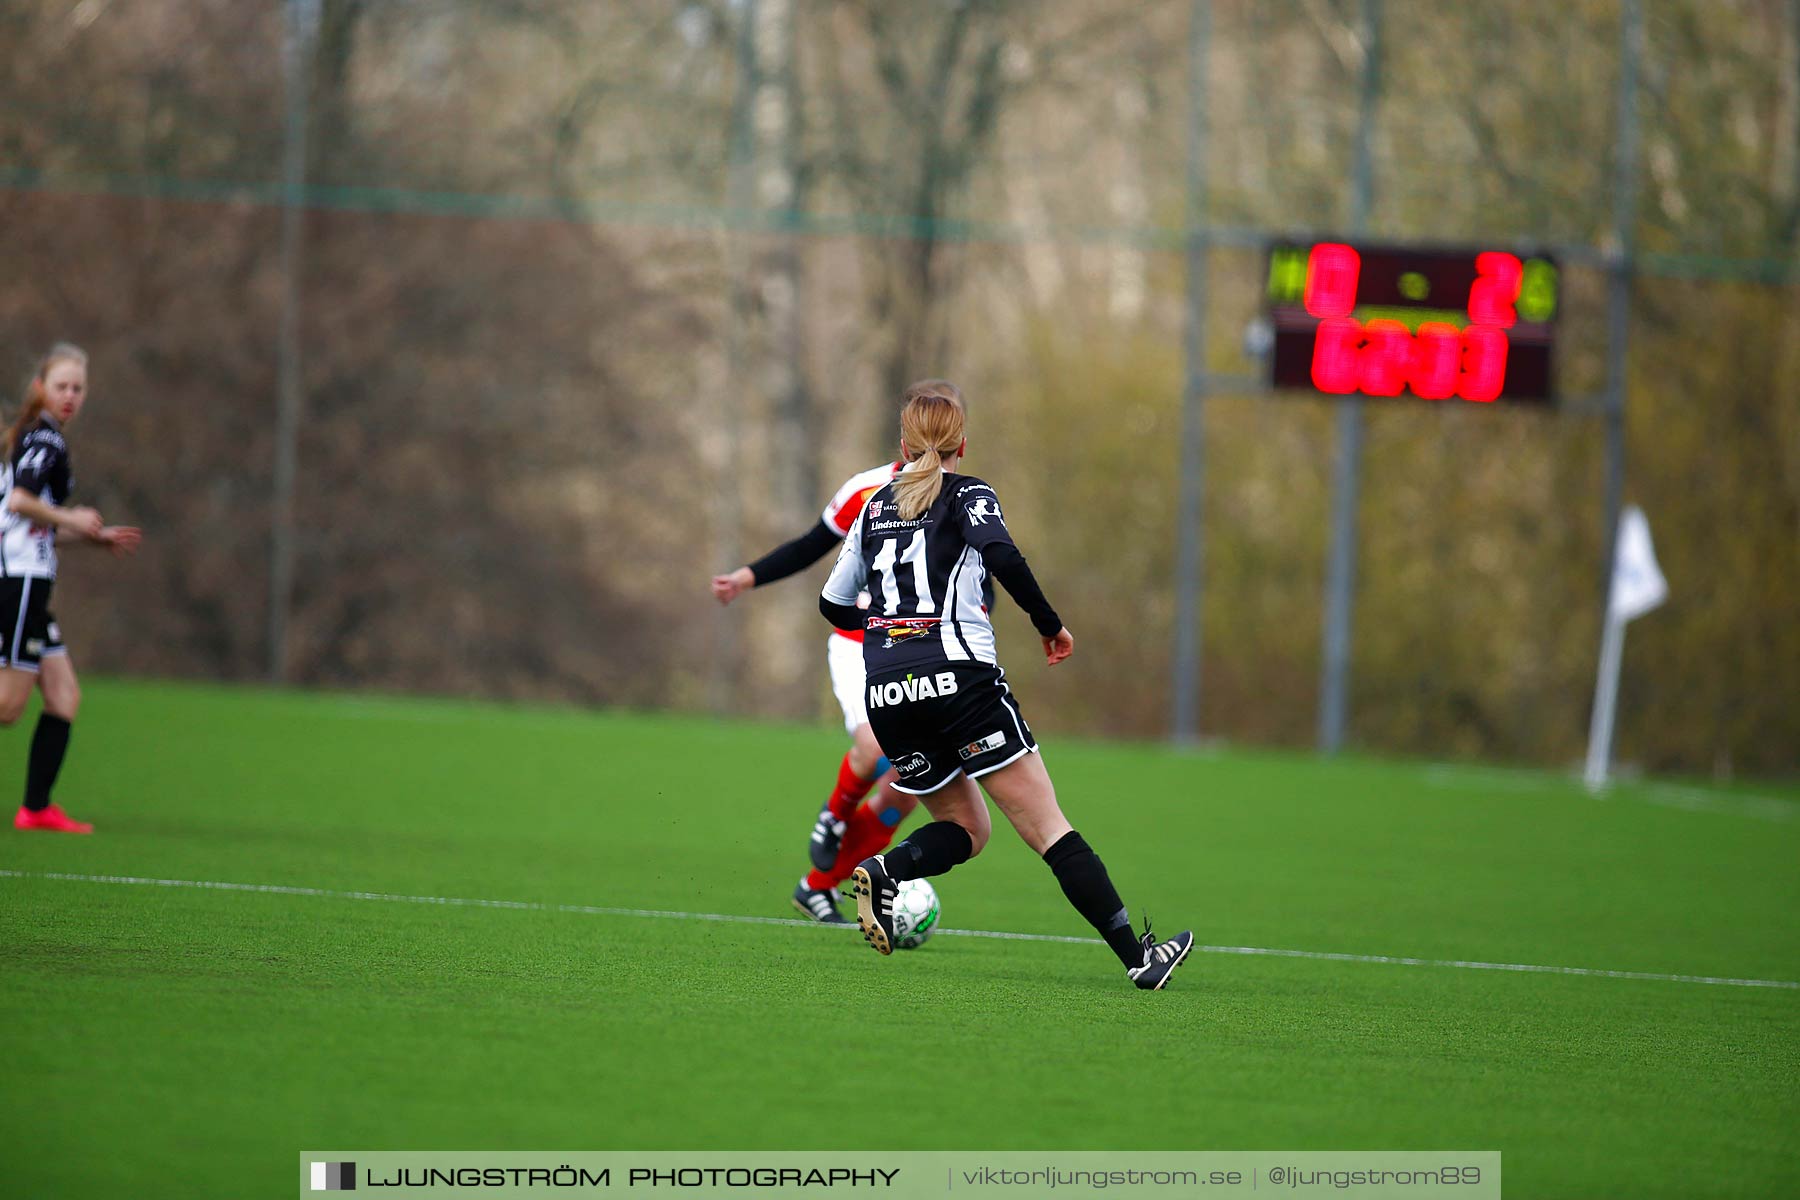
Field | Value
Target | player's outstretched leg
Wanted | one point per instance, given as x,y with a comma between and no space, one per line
1023,791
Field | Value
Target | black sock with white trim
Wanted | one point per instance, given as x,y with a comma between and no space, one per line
930,850
1090,889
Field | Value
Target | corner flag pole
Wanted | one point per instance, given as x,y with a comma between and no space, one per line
1637,587
1606,698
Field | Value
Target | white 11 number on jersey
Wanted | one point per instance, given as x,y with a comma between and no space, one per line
890,590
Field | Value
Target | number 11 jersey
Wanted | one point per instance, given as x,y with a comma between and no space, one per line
930,589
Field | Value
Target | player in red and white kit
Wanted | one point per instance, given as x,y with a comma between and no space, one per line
847,830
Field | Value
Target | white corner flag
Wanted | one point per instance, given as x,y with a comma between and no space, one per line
1637,582
1637,587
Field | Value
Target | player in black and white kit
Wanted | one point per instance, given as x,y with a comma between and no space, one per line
928,547
36,481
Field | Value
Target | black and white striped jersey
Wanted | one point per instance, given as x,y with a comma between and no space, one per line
39,465
931,579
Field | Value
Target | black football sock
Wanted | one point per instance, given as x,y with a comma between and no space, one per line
930,850
1085,882
48,745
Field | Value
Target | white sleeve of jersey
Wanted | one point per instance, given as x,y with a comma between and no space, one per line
850,573
834,508
848,500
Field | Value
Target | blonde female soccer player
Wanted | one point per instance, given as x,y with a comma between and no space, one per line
928,547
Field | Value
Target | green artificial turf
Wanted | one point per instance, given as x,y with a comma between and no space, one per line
162,1041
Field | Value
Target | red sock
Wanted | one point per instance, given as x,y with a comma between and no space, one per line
865,834
851,788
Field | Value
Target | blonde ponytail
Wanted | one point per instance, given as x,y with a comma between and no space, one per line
931,426
916,488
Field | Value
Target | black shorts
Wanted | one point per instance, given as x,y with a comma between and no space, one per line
940,722
28,630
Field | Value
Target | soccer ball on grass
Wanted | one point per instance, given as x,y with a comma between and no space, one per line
915,914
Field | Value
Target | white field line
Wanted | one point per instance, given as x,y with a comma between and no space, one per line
277,889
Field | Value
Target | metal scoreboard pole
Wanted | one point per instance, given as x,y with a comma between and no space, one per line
1340,574
1185,714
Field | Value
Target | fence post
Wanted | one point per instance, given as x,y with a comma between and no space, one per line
1340,571
302,26
1184,722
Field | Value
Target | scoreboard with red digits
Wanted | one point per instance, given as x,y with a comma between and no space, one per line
1477,325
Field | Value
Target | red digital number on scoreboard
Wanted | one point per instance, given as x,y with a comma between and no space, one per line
1379,321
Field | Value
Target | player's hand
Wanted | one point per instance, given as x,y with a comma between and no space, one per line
83,522
1059,647
726,588
122,540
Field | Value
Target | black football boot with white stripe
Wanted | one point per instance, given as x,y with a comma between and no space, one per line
1160,959
875,894
818,904
827,837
